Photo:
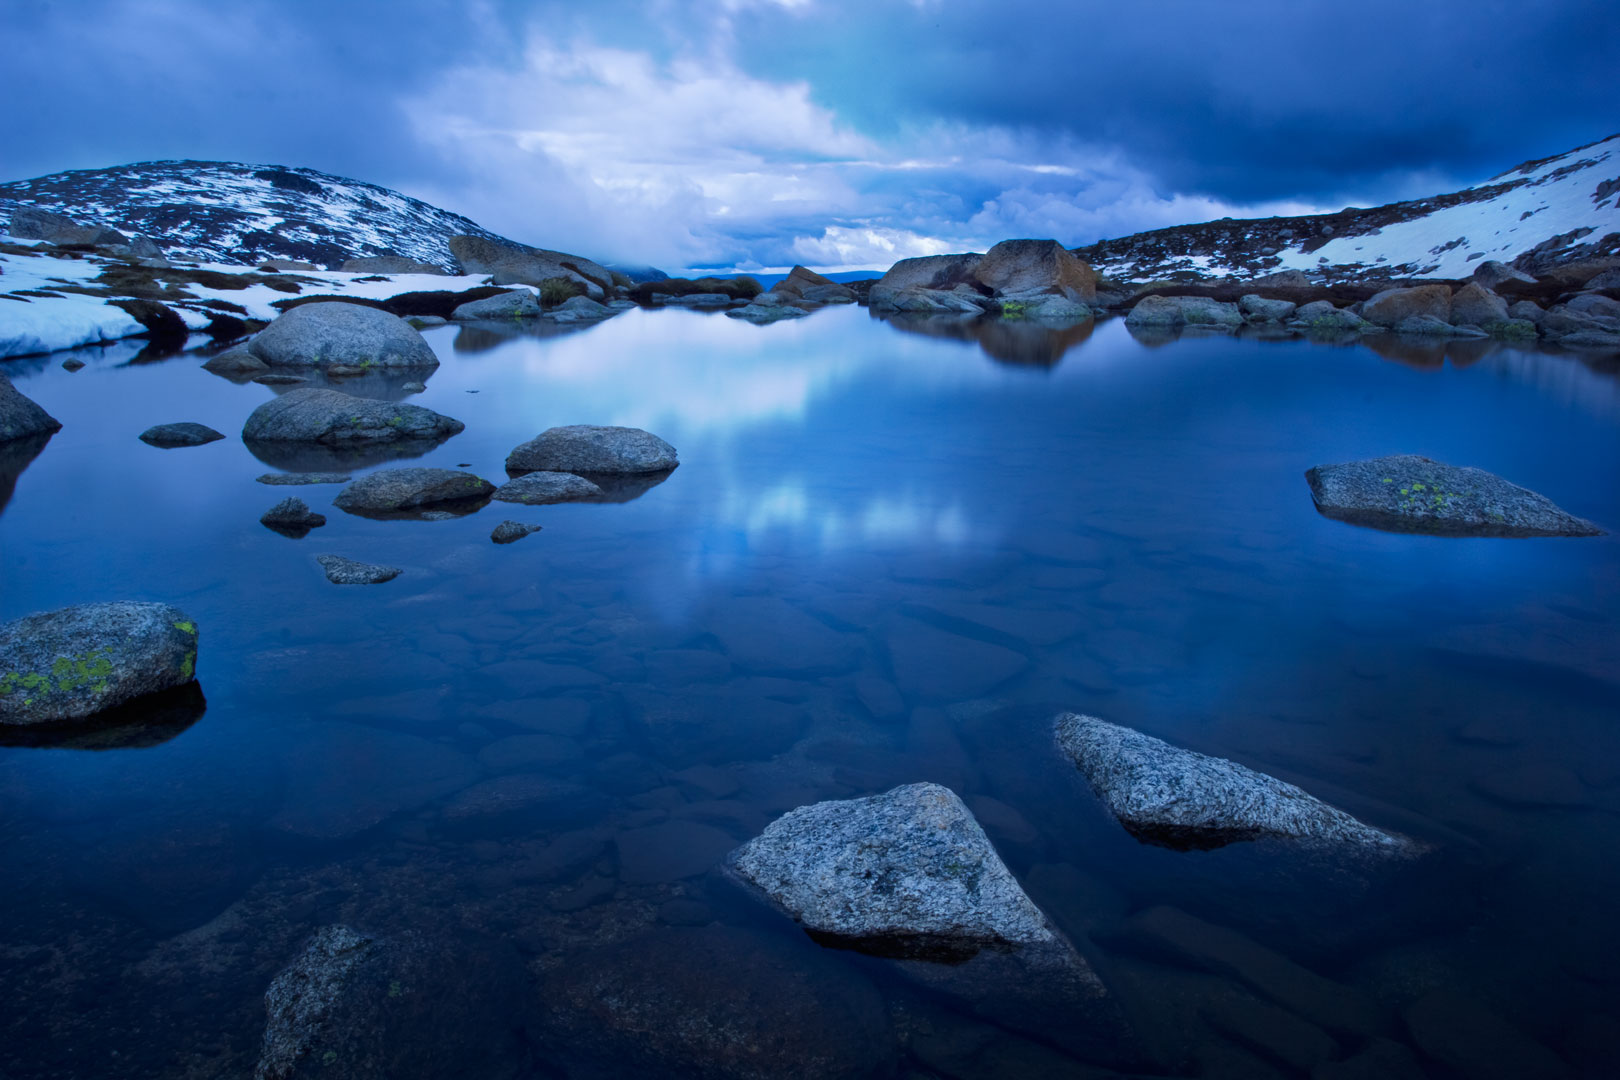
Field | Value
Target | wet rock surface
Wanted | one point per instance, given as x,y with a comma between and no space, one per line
169,436
333,418
905,873
77,662
342,571
1409,493
401,491
716,1003
541,488
1163,794
20,416
322,334
517,304
357,1006
509,532
588,449
300,479
292,517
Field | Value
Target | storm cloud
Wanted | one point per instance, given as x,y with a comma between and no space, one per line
758,133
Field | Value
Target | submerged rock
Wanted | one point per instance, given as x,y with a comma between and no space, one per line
1409,493
333,418
320,334
587,449
78,661
341,571
1182,799
541,488
907,873
509,532
237,360
759,314
654,1006
292,517
169,436
354,1006
391,491
285,479
517,304
20,416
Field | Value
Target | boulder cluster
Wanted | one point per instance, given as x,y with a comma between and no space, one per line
1030,279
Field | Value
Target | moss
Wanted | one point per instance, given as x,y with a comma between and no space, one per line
188,666
1013,309
186,627
396,421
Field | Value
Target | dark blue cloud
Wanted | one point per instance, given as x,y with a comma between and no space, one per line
1190,108
1244,101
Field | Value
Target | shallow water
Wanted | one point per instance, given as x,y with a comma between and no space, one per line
892,553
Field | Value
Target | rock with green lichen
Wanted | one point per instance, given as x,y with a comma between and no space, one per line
1412,494
74,663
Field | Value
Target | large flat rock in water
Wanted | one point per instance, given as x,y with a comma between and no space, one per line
394,491
79,661
1182,799
592,450
322,334
333,418
1412,494
905,873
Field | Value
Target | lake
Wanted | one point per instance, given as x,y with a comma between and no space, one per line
892,552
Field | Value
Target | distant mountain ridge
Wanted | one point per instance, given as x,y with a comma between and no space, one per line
1535,215
230,212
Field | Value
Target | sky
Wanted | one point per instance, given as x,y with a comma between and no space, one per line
836,133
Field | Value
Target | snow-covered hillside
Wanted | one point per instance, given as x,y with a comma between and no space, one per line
227,212
1535,215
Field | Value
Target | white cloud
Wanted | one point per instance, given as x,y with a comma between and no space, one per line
689,161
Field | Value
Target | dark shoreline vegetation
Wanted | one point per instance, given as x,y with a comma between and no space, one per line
1017,670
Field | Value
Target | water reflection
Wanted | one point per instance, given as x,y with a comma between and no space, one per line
1017,342
145,722
15,456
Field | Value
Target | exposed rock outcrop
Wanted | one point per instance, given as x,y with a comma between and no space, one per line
388,264
76,662
1409,493
1021,268
292,517
1393,306
515,265
1163,794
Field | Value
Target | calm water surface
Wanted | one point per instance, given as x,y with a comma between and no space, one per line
892,553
